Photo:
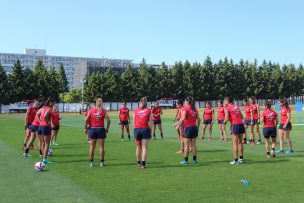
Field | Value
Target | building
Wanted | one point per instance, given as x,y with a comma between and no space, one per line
75,67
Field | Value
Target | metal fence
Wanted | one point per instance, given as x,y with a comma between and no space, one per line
114,106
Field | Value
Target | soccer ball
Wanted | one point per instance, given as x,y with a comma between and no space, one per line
50,152
39,166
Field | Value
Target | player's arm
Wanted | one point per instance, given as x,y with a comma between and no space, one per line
150,122
198,121
203,114
26,118
251,115
134,119
47,116
181,121
259,113
176,115
161,112
38,114
108,122
226,115
129,117
262,118
119,116
212,116
276,121
86,122
288,120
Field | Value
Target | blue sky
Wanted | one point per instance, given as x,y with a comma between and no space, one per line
158,30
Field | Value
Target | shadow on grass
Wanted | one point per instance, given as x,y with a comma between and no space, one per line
266,161
213,150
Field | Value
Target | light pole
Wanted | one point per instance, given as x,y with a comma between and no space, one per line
82,92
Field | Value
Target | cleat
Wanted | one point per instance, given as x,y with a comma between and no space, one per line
273,154
184,162
234,162
194,161
226,139
280,151
101,164
142,167
122,140
24,148
259,142
289,151
47,161
138,165
268,156
253,143
56,144
91,164
248,142
244,142
241,161
27,155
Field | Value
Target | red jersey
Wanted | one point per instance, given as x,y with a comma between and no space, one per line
284,117
124,114
247,110
270,117
142,117
254,109
235,114
97,118
191,116
221,113
55,117
42,119
156,111
208,114
35,121
31,114
179,113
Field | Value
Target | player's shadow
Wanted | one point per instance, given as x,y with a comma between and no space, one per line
213,150
154,165
266,161
70,155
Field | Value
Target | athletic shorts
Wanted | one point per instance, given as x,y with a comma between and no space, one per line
190,132
56,127
288,127
247,122
207,122
97,133
28,126
34,128
220,121
44,130
124,123
270,132
238,129
142,133
256,122
157,122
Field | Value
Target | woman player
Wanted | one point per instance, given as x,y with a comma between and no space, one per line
124,120
44,117
29,118
208,117
55,125
220,120
95,119
178,115
156,111
234,114
248,121
256,118
285,125
270,119
190,121
142,131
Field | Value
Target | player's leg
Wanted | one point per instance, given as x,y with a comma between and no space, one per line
128,131
267,142
144,154
288,140
161,130
281,136
224,132
204,131
258,133
122,131
194,150
101,151
186,150
153,130
240,147
210,131
138,151
91,150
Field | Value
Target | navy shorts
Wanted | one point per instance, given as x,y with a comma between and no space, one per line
270,132
190,132
220,121
247,122
44,130
34,128
157,122
207,122
124,123
97,133
288,127
256,122
28,126
142,133
238,129
56,127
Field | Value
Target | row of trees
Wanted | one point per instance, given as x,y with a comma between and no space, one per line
207,81
24,83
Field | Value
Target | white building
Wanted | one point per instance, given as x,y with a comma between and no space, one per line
75,67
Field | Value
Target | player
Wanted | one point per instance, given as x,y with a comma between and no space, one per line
44,117
190,121
29,118
220,120
55,125
156,112
87,126
256,118
208,117
178,115
124,120
95,119
270,119
248,121
234,114
285,126
142,131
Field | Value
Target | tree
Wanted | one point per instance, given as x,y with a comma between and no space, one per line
17,82
164,81
4,87
53,83
41,80
73,96
178,81
64,84
130,84
29,84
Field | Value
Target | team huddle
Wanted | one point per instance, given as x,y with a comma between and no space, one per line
42,121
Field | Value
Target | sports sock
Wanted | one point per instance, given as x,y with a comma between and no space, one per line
27,150
143,163
186,158
245,139
138,162
273,149
91,160
129,137
241,157
236,160
268,153
24,144
40,152
102,161
194,158
161,135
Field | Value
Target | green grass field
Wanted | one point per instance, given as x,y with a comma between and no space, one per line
69,178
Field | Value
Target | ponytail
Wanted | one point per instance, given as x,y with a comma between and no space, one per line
99,104
229,99
144,102
285,103
191,101
268,104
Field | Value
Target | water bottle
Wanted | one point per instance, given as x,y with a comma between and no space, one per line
245,182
